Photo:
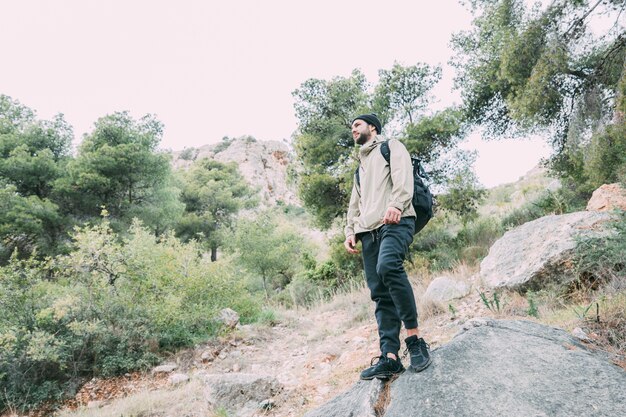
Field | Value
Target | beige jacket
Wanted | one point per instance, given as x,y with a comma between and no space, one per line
383,185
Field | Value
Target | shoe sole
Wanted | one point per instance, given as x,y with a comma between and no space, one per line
382,376
420,369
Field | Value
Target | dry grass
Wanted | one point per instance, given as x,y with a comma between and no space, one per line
187,400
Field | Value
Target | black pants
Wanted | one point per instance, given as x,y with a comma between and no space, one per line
384,251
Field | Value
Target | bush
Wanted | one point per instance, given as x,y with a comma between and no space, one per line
107,308
602,259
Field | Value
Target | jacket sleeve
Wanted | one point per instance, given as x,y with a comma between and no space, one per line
401,171
353,210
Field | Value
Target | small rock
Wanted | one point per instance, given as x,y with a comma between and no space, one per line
267,404
580,333
176,379
443,289
229,318
165,369
236,367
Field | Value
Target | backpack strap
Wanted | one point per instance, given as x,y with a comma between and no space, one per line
384,149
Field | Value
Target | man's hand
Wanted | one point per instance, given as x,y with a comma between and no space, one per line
350,244
392,216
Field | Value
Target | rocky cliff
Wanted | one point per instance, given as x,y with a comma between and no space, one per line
264,164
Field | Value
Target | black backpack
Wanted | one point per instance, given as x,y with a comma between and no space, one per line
422,198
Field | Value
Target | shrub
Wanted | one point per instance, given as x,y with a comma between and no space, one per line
602,259
109,307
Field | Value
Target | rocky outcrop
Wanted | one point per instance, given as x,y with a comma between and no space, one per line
443,289
608,197
500,368
264,165
535,252
362,400
241,395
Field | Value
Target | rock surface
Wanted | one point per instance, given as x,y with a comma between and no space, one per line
228,317
240,395
527,255
176,379
501,368
443,289
608,197
165,368
359,401
263,164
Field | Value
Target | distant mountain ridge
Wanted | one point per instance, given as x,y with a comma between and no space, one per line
264,164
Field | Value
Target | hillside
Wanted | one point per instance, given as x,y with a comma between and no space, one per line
264,164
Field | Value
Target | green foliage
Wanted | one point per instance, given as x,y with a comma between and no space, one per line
532,311
546,70
189,154
117,166
430,136
324,144
602,259
109,307
213,193
33,155
449,240
463,195
492,304
404,90
27,224
268,249
561,201
606,157
223,145
32,152
325,196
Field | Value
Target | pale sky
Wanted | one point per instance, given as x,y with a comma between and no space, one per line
209,69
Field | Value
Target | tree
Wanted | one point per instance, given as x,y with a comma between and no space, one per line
463,195
404,90
33,153
266,248
324,143
545,70
27,224
118,167
213,193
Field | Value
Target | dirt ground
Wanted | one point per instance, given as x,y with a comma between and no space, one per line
315,353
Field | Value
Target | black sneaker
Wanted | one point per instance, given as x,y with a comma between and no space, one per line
384,368
419,351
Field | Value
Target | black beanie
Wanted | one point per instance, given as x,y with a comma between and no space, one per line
372,119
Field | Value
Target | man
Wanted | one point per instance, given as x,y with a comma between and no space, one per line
382,217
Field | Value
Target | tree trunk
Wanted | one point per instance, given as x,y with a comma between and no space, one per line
267,294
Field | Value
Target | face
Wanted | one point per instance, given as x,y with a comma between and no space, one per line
361,131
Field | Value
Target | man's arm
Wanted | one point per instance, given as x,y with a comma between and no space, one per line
353,213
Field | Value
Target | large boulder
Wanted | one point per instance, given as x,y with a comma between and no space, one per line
502,368
540,250
239,394
443,289
608,197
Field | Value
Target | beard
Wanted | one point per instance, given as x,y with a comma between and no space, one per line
363,138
